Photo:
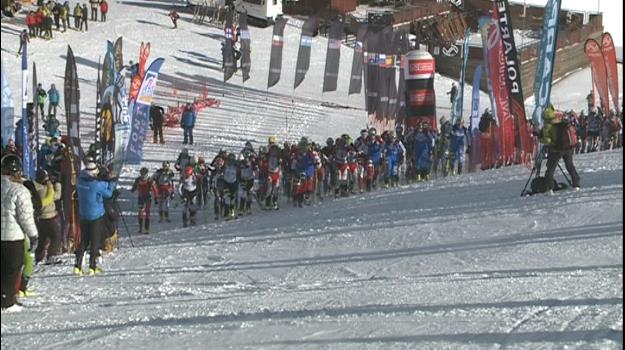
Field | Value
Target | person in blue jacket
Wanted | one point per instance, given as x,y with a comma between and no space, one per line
305,169
53,100
187,122
375,146
91,194
394,152
458,139
424,144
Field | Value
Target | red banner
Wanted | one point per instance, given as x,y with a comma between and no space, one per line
498,75
599,71
609,57
135,83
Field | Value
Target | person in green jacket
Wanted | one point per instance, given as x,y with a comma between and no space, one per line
552,137
41,99
64,14
77,16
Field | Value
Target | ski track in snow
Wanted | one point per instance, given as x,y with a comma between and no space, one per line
460,262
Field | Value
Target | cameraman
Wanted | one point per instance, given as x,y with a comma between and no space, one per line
92,190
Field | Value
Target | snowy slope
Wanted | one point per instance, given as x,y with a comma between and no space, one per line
460,263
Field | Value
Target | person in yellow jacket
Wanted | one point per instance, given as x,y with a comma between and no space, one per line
552,136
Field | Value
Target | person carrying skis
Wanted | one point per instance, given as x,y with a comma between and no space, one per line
104,8
424,145
91,194
174,17
164,180
48,219
146,189
458,139
187,122
53,100
553,135
394,152
18,224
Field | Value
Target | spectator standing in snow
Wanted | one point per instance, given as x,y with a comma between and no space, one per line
48,221
77,16
18,222
41,99
104,8
65,15
156,117
94,9
24,40
85,14
53,100
174,17
187,122
56,12
452,93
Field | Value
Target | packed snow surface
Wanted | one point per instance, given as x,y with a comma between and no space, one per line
456,263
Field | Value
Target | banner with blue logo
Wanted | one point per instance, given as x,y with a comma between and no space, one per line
546,60
456,111
141,113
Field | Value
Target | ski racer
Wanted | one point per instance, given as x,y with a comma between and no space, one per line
146,189
163,178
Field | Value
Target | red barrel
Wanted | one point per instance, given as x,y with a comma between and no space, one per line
420,98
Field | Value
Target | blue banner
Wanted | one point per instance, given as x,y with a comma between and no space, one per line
26,165
546,61
457,110
8,109
475,101
484,22
141,113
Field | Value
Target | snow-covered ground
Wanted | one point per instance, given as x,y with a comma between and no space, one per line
462,262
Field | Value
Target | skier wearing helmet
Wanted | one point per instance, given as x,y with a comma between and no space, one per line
375,146
247,170
274,165
188,191
231,184
394,152
202,173
146,189
163,178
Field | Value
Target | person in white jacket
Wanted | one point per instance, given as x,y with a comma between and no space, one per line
18,222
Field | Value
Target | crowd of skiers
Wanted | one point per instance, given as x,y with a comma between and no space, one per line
41,21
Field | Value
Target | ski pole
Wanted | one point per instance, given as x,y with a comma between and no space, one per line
121,215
